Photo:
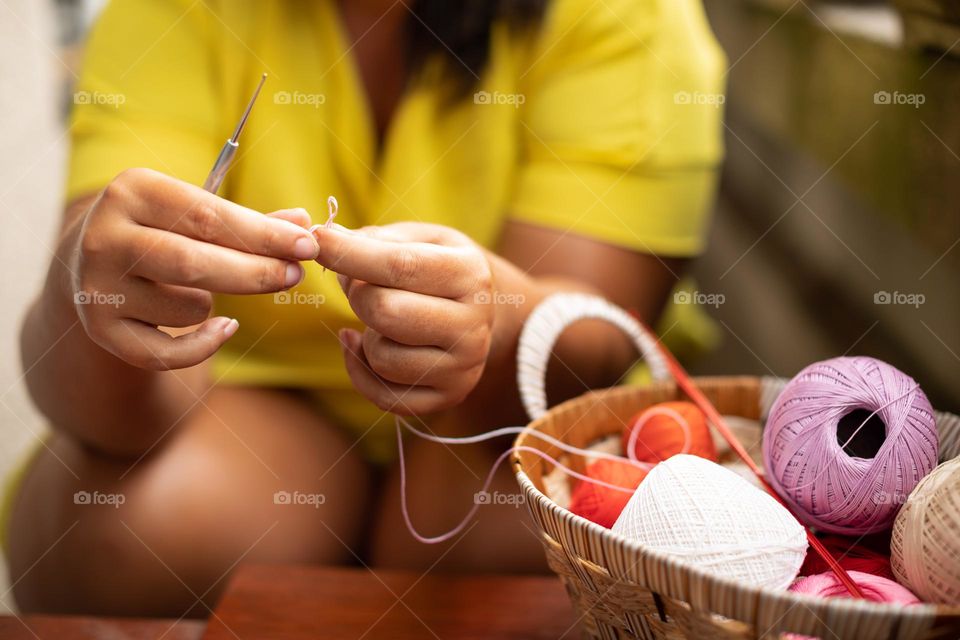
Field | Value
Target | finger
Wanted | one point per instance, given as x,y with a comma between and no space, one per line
165,305
147,347
405,365
432,269
182,208
299,217
412,318
386,395
173,259
418,232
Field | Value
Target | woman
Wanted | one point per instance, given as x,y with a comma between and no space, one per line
484,156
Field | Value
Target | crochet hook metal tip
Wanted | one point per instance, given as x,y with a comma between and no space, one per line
246,112
229,150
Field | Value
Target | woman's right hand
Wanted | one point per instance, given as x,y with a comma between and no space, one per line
151,250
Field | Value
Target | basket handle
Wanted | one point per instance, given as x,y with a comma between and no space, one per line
544,326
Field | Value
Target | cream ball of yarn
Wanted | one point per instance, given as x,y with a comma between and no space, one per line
710,517
925,544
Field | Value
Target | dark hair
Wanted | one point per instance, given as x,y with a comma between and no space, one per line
459,32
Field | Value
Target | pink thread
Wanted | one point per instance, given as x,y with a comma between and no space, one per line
503,456
824,485
647,416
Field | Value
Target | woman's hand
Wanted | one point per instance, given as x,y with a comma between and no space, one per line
150,251
426,294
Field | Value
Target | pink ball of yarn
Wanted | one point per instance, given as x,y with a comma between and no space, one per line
874,588
826,486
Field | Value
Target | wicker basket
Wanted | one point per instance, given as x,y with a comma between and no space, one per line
620,589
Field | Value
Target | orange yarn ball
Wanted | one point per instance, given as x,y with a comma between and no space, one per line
661,436
600,504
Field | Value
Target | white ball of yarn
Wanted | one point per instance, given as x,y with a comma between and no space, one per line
710,517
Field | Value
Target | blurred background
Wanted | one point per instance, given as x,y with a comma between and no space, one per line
836,228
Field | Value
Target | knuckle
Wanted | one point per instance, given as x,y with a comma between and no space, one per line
94,243
204,220
185,266
270,239
384,308
272,275
197,305
403,265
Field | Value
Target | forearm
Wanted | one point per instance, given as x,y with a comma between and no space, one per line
590,354
81,388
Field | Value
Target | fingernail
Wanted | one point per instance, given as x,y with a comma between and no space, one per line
294,274
306,248
342,281
231,327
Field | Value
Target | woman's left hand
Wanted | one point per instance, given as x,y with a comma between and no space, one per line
425,293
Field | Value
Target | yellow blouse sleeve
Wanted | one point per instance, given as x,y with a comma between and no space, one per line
621,130
146,95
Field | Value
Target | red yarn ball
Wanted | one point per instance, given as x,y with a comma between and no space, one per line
661,436
600,504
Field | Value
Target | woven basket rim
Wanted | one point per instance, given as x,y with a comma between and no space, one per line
819,606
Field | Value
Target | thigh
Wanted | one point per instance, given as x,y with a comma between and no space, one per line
442,486
251,474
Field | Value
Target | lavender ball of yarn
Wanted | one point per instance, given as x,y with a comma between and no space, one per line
817,448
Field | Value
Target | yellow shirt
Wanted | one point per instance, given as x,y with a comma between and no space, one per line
603,123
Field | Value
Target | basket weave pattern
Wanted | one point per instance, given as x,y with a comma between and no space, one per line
621,590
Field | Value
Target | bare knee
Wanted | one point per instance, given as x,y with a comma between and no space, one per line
93,535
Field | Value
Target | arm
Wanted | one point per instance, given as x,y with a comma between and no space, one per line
536,262
82,388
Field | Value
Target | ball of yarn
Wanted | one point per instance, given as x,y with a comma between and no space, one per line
852,554
856,489
600,504
874,588
710,517
658,434
925,545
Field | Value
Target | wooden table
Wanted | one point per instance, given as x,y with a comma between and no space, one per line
297,602
292,602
